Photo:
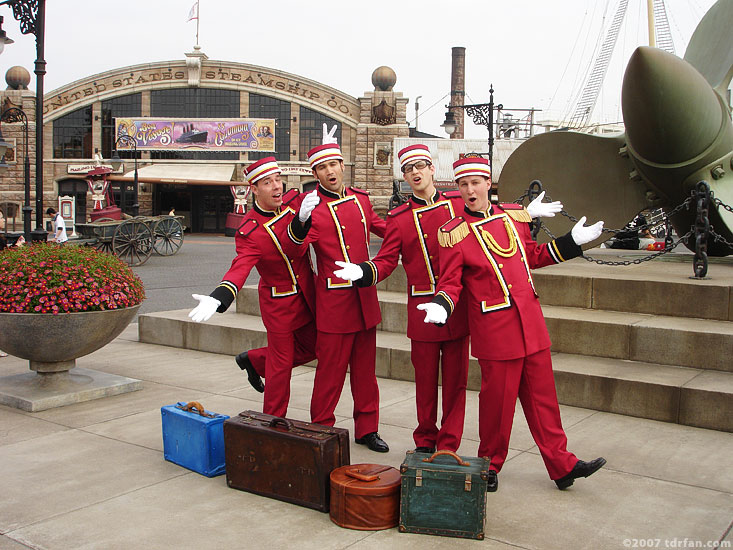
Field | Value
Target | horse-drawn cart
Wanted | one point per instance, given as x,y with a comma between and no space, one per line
133,240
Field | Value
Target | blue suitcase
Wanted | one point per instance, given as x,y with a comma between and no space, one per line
194,438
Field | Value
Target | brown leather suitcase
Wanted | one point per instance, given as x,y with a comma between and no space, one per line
365,496
284,459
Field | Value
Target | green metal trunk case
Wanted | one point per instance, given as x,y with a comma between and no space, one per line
439,496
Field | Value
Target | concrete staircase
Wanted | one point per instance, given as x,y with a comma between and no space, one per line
642,341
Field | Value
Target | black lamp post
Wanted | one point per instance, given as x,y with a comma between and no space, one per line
482,114
116,162
32,17
14,114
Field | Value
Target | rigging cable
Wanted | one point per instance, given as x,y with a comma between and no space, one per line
570,57
428,109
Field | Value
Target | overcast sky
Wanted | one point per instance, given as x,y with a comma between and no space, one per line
535,52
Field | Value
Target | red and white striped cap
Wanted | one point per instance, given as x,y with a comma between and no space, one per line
413,153
323,153
261,169
471,166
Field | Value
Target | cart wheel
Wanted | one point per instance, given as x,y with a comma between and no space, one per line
133,242
168,234
104,246
104,240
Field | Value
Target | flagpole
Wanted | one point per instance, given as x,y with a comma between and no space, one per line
198,18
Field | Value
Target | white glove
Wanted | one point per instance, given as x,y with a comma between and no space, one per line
539,209
584,234
329,137
348,271
206,308
434,313
310,201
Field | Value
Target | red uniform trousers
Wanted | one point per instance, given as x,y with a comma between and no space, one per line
532,380
336,352
426,359
275,363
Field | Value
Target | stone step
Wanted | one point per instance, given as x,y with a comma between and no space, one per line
671,296
689,396
676,341
658,288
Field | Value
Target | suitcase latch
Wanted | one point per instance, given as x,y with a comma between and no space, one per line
418,478
467,485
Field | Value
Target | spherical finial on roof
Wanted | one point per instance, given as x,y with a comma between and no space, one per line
384,78
18,78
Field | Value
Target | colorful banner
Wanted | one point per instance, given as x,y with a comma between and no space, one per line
196,134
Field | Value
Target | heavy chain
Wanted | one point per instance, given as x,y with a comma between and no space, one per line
669,243
684,204
535,189
702,229
667,249
669,246
717,237
718,202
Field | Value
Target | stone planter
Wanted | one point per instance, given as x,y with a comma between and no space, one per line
52,343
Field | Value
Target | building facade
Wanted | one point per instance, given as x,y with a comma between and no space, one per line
79,127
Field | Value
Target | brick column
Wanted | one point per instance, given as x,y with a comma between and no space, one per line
373,169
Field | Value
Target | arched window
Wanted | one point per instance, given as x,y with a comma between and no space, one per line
262,106
311,130
72,135
194,103
118,107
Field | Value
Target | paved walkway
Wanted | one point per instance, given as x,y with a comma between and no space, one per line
92,475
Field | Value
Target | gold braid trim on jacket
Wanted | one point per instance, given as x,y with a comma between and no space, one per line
448,238
519,215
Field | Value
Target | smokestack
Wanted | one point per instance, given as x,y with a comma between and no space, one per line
458,88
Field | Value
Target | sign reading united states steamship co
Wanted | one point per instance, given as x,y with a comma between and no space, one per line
197,134
218,74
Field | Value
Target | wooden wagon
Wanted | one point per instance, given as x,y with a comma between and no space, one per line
133,240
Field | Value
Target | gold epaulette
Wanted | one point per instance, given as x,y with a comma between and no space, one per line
452,232
517,212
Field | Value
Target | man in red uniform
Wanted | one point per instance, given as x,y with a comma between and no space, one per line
286,290
412,232
346,316
488,253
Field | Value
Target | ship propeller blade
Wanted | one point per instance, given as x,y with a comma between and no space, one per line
591,175
711,47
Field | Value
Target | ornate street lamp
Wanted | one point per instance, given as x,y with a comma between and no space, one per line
14,114
450,124
116,162
482,114
32,17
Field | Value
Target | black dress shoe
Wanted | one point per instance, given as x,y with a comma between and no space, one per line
493,482
374,442
254,378
581,469
429,450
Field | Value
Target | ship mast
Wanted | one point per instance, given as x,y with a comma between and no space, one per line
659,34
650,20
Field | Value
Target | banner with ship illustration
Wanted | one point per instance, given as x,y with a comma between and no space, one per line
196,134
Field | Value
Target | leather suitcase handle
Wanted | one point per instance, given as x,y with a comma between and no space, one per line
199,408
460,461
361,477
283,421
